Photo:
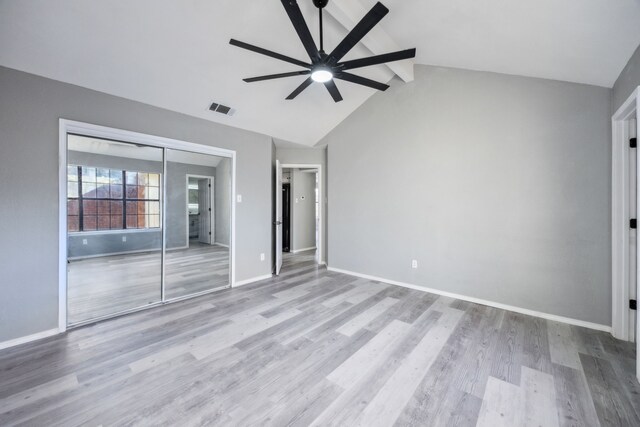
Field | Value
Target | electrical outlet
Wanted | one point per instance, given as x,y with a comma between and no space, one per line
124,238
414,263
261,257
84,241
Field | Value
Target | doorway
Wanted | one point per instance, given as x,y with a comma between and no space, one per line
200,209
286,217
625,322
298,213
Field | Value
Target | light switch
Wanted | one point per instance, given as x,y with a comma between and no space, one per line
124,238
261,257
239,198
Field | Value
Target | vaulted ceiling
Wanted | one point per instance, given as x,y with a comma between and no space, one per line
175,54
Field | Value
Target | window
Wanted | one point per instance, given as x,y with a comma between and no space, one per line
111,199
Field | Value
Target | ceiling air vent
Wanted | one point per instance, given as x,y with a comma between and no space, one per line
222,109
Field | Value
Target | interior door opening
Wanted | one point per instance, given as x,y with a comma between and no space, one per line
299,213
624,240
201,210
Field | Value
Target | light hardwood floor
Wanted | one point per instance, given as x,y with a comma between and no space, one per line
106,285
312,347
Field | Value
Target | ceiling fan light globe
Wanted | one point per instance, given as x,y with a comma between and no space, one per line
321,75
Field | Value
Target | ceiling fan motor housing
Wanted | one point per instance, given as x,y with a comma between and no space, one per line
320,3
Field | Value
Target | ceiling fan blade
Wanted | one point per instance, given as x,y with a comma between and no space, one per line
377,12
268,53
277,76
300,88
300,25
333,90
379,59
361,81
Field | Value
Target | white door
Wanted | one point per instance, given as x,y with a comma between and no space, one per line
634,267
204,211
278,223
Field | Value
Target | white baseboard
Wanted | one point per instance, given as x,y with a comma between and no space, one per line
177,248
295,251
507,307
23,340
221,244
253,279
137,251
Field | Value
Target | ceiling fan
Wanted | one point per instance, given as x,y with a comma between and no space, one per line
324,68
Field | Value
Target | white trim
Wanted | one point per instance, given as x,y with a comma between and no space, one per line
62,226
137,251
252,280
320,243
620,217
302,250
29,338
220,244
520,310
97,131
108,232
176,248
232,242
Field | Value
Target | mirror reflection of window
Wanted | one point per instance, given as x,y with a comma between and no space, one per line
111,199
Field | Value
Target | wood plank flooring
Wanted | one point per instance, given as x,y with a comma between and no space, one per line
313,347
106,285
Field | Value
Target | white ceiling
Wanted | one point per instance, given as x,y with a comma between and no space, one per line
175,54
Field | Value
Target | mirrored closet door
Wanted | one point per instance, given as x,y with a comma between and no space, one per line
114,238
197,223
145,225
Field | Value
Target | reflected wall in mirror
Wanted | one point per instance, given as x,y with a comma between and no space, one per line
198,213
114,235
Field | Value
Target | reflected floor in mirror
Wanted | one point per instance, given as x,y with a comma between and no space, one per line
111,284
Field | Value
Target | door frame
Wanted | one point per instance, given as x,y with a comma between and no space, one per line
212,215
66,127
620,200
320,243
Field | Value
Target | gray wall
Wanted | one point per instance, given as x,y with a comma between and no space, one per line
303,215
101,243
222,195
498,185
310,155
30,107
628,80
